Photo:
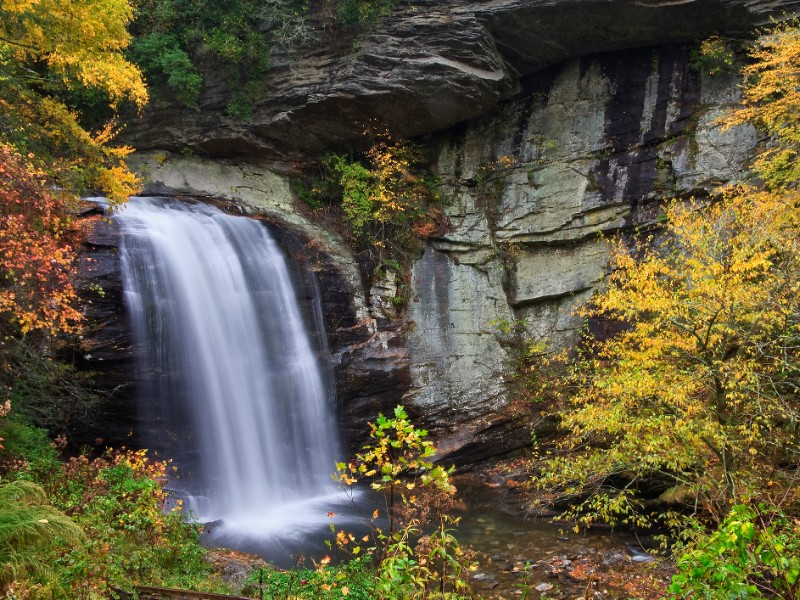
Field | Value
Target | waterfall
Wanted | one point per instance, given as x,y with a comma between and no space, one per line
227,356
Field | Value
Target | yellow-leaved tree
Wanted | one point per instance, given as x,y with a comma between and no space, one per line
697,397
771,101
693,407
60,60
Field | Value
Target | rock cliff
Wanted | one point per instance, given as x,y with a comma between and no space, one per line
430,65
553,123
591,148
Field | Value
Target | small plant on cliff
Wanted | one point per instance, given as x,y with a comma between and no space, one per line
355,15
174,38
176,41
712,56
386,199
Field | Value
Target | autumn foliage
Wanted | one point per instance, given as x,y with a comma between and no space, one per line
80,41
57,57
693,407
386,199
35,292
696,396
771,102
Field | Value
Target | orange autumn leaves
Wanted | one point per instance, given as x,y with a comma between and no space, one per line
52,52
36,292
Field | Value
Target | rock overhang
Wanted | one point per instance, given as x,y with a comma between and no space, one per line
429,66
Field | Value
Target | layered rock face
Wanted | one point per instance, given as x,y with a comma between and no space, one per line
591,148
552,123
430,65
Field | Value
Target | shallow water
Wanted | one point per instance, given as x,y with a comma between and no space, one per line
517,555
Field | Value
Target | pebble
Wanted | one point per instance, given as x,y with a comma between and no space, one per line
487,581
614,558
544,587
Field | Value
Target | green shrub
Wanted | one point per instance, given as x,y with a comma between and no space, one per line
356,15
388,202
28,450
353,580
754,553
174,38
712,56
418,556
30,532
164,60
120,502
105,525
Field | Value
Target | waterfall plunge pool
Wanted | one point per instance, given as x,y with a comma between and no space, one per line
234,374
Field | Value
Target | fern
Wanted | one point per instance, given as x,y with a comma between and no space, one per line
22,492
29,528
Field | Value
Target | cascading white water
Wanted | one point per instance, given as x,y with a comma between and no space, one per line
226,350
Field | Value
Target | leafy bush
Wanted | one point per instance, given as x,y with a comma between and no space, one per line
696,396
418,556
174,37
771,103
388,202
353,580
119,502
104,525
754,553
166,62
712,56
29,452
355,15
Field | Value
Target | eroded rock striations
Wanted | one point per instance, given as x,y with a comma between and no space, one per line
593,147
430,65
552,123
